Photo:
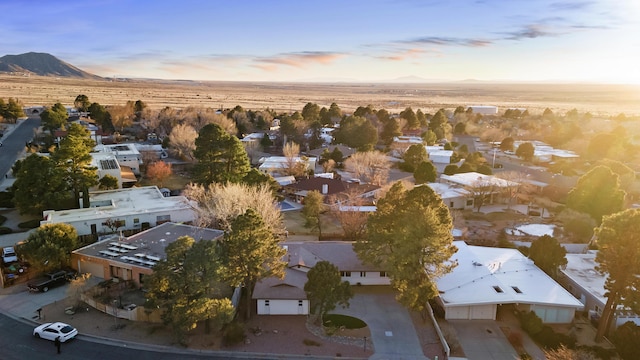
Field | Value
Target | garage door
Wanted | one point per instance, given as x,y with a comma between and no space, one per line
96,270
483,312
457,313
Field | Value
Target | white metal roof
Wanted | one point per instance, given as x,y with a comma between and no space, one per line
488,275
474,179
446,191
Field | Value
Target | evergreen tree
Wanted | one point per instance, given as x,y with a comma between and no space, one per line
250,253
73,158
325,289
221,157
409,236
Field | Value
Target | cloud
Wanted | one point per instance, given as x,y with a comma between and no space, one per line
448,41
531,31
402,55
570,5
298,59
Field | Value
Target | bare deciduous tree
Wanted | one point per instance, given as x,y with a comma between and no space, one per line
252,148
521,186
329,165
183,141
347,212
293,166
122,115
481,190
219,204
371,167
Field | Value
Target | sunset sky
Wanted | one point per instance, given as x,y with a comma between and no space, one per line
334,40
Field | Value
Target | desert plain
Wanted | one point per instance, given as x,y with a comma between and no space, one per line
599,99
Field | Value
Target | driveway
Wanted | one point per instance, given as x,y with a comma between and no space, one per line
486,340
392,331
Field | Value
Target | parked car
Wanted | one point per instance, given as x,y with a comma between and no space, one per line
9,255
50,331
50,280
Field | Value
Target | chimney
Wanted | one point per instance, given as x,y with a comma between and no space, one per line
325,189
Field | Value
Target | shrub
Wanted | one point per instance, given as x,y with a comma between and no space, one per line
598,352
30,224
531,323
6,200
626,340
233,334
5,230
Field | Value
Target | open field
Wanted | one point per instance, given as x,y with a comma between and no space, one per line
597,99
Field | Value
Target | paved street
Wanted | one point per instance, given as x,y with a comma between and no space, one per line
13,143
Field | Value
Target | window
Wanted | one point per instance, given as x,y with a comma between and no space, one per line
498,289
136,221
469,202
450,204
299,302
516,289
163,219
383,274
345,273
266,303
363,274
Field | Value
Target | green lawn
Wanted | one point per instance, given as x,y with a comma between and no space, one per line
335,320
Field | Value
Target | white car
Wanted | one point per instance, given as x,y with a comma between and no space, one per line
51,331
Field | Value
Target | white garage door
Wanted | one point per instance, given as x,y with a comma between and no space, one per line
457,313
483,312
94,269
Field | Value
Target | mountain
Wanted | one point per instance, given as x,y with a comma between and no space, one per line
42,64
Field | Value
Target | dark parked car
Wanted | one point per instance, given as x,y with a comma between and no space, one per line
51,280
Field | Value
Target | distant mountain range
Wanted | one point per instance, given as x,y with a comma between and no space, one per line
41,64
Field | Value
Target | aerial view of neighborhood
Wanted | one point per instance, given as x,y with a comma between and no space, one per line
320,180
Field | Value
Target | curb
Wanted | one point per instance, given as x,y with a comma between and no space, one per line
178,351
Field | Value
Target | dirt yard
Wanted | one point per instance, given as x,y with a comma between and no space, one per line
598,99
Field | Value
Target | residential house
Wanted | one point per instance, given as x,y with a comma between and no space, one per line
106,164
94,131
581,278
544,153
127,155
401,143
133,209
455,197
487,277
345,150
333,189
133,257
489,186
438,155
280,165
287,297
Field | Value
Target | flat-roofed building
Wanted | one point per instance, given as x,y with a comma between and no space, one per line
134,209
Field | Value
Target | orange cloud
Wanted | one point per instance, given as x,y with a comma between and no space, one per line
299,60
